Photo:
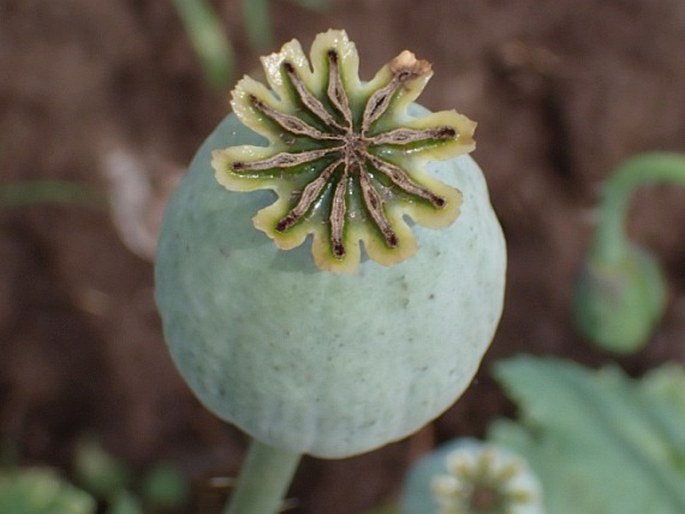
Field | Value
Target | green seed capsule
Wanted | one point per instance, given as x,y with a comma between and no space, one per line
315,361
618,303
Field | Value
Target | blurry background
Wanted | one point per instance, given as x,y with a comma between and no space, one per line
108,99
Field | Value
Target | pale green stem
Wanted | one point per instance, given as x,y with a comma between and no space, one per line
208,39
611,241
257,20
264,480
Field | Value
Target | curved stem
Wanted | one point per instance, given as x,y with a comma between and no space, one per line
264,479
610,239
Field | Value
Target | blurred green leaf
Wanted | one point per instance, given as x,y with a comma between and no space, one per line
386,509
41,491
97,471
49,191
314,4
663,394
165,487
599,441
209,40
9,453
125,503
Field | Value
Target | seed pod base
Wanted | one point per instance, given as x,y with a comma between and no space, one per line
313,361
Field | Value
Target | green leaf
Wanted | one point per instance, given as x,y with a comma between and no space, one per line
599,441
49,191
9,453
41,491
165,487
97,471
663,394
125,503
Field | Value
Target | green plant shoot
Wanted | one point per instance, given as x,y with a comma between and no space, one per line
209,40
621,294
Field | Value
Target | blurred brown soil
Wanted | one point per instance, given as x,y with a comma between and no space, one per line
563,91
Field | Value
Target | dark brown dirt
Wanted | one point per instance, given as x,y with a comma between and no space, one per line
563,91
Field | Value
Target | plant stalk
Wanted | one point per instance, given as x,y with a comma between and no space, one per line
611,240
257,19
263,481
209,40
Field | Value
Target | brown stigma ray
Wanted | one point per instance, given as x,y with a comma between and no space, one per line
336,90
307,97
402,180
351,191
337,216
406,136
291,124
310,194
374,204
283,160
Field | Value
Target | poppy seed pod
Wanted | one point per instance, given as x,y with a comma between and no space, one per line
328,349
618,303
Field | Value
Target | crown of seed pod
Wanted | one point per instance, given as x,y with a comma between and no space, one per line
281,343
465,476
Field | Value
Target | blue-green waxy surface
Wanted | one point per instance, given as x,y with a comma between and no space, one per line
318,362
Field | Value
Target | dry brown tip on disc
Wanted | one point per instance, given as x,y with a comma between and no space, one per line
407,66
